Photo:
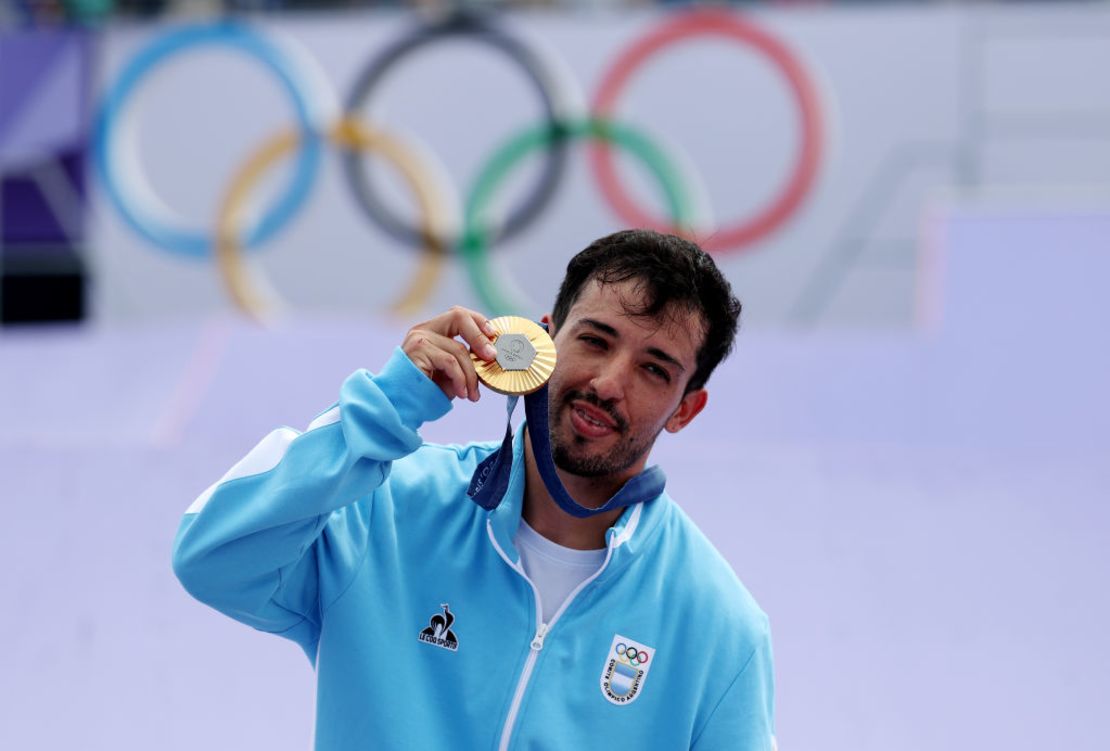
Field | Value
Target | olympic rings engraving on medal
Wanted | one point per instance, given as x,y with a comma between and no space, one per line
188,242
434,234
477,28
249,293
497,168
716,23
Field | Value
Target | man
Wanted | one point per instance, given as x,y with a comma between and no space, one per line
435,623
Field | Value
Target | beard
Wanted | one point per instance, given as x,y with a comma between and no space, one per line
573,453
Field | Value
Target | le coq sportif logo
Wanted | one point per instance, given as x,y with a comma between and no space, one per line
439,633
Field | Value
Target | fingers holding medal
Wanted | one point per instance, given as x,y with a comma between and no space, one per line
460,348
433,347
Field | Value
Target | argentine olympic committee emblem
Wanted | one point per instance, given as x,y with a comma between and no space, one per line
625,670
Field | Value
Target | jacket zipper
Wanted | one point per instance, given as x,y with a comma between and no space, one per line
541,632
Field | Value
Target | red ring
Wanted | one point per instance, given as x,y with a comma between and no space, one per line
719,23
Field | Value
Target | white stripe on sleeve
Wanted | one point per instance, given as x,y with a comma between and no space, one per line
262,458
328,418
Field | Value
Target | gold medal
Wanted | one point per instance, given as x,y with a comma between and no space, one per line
525,357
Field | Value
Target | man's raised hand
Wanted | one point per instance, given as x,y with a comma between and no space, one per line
433,347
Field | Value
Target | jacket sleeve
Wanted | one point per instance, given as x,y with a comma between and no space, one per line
255,545
743,719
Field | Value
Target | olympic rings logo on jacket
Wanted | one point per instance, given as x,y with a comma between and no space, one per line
433,233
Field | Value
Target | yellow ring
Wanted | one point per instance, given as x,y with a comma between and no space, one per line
246,289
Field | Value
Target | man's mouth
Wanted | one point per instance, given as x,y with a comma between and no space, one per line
591,421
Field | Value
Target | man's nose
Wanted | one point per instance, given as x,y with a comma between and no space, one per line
608,382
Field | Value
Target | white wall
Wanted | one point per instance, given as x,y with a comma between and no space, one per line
916,103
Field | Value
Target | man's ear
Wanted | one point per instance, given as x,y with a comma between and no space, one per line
688,409
546,320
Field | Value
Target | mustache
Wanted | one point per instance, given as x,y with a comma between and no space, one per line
608,406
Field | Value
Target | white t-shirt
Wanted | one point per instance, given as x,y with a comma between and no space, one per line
554,569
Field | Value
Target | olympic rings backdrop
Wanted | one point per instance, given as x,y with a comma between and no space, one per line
405,164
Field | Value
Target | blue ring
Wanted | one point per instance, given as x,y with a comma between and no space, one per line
240,37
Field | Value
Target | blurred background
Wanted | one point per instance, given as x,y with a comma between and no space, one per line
211,213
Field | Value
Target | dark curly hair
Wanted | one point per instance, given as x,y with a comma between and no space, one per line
675,276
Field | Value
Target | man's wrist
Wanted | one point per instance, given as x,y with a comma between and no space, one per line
416,397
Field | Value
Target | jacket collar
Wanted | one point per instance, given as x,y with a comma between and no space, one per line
628,537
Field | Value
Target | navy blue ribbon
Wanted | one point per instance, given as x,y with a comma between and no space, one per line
491,478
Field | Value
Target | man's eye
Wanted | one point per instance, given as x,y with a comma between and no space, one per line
593,341
658,372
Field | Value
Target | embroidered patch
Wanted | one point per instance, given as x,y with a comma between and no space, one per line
625,669
439,633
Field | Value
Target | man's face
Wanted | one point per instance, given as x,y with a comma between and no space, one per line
619,380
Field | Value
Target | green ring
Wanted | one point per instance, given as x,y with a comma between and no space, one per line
474,246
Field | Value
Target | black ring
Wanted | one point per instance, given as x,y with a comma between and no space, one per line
477,27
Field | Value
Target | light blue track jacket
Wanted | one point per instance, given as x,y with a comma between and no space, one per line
358,541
